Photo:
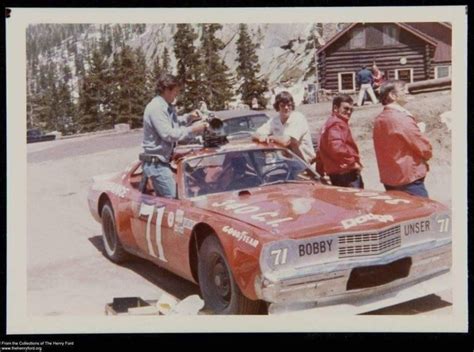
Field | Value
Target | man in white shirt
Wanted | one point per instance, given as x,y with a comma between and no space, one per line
289,128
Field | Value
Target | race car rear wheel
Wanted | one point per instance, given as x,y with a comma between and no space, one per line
218,287
113,248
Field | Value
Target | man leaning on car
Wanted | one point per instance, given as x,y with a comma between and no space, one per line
289,128
162,129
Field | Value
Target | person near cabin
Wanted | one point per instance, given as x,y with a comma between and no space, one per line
365,81
162,129
289,128
338,154
378,78
401,149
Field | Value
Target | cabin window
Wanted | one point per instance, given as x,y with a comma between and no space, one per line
391,35
358,38
404,74
442,71
346,81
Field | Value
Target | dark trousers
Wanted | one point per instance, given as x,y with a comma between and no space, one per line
416,188
350,179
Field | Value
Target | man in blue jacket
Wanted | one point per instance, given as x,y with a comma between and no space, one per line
365,81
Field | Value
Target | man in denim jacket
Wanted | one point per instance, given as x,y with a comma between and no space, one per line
162,129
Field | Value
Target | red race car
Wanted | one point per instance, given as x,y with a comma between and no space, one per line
252,224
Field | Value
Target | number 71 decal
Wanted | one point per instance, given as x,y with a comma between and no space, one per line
148,211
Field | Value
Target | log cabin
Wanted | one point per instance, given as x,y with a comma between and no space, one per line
406,51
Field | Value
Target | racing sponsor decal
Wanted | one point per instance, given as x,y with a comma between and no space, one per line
315,248
373,195
188,224
244,208
118,190
416,228
348,223
170,219
240,236
178,221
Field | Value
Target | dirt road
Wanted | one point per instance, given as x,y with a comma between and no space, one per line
67,274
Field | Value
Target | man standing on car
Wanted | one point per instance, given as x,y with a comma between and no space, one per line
401,149
338,155
162,129
288,129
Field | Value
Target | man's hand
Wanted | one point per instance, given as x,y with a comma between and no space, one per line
199,127
194,116
259,138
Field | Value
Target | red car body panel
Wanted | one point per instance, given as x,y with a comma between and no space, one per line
244,222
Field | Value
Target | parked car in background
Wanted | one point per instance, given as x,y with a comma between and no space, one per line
36,135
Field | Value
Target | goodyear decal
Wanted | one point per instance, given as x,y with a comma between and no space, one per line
240,236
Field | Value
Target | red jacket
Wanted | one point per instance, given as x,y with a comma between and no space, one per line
401,149
337,151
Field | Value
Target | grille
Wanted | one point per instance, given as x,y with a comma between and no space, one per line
369,244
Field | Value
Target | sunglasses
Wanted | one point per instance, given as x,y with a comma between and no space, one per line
282,105
348,109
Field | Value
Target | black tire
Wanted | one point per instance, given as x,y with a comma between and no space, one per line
113,248
218,287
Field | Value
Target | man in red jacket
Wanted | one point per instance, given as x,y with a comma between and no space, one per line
402,150
338,155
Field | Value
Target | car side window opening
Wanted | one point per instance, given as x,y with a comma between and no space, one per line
256,121
235,125
237,170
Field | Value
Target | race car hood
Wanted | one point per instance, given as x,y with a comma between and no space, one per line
299,210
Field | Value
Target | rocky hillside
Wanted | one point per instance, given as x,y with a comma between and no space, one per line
284,50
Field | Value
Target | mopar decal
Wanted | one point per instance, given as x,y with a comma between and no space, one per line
118,190
243,208
373,195
348,223
240,236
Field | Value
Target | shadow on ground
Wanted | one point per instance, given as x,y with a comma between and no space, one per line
416,306
161,278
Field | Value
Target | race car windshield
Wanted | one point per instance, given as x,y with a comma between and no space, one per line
238,170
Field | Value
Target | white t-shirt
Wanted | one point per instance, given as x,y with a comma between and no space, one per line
295,127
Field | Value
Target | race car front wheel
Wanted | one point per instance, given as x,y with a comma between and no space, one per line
113,248
218,287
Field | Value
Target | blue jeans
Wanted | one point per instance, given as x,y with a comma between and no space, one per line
416,188
351,179
162,179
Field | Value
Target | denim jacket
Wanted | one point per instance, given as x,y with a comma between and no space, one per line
161,129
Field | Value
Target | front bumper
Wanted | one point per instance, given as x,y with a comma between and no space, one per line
327,284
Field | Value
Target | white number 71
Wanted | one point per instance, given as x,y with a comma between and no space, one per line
148,210
443,225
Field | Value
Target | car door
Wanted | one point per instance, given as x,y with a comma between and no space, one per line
157,227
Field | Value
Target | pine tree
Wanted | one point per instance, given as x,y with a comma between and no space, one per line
248,68
94,110
129,89
188,67
165,61
217,78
